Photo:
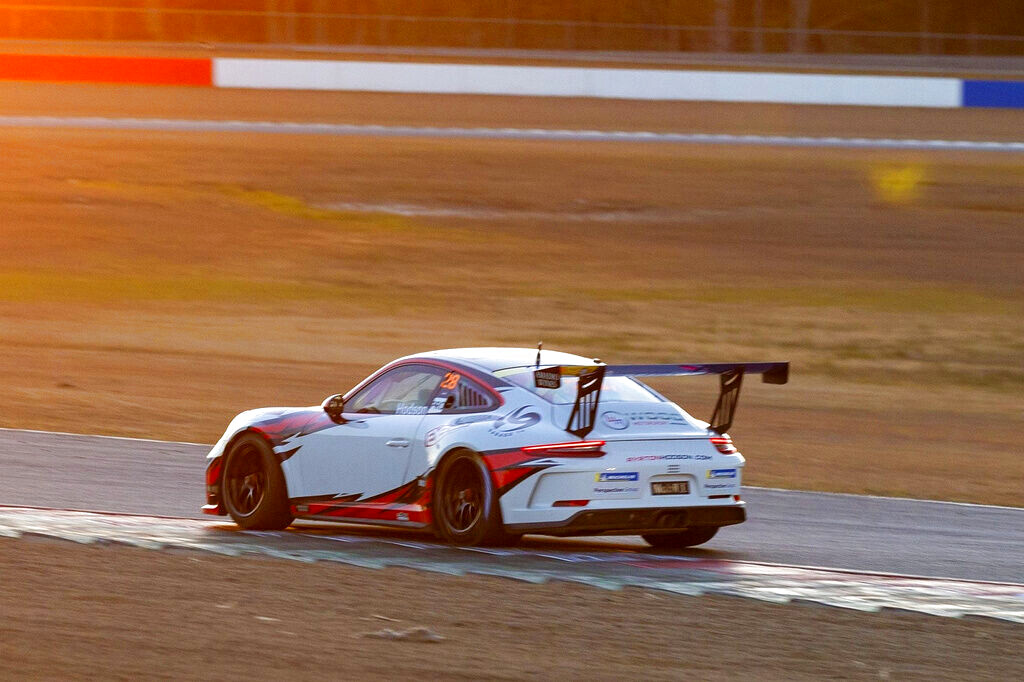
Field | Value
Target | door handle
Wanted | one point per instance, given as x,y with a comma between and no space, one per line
397,443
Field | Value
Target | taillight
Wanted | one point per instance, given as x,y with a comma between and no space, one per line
580,448
570,503
723,444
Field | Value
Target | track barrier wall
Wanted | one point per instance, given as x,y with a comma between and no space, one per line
543,81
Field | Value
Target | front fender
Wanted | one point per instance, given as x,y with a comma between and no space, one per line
279,425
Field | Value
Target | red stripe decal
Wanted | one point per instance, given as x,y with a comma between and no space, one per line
75,69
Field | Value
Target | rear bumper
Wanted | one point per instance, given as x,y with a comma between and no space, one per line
635,521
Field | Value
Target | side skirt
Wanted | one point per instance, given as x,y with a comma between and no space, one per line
364,522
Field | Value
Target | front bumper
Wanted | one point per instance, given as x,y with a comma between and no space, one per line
635,521
214,504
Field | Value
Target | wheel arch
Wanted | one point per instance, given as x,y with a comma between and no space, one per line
242,433
245,432
448,455
454,450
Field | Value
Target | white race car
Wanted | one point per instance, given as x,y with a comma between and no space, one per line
484,445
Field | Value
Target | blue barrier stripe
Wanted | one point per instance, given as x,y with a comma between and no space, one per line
1005,94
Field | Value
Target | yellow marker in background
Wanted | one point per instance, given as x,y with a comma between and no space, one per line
897,184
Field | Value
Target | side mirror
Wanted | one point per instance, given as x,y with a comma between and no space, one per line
334,406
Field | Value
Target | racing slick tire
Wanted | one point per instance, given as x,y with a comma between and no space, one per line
690,537
253,486
466,509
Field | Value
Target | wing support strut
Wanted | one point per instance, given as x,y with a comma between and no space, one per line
728,398
584,410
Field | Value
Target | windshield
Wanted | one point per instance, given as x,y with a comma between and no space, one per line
613,389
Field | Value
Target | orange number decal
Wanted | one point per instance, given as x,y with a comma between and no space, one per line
451,380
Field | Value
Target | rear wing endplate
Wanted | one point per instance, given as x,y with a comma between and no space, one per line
588,388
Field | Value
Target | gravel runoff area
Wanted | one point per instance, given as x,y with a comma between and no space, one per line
70,611
131,205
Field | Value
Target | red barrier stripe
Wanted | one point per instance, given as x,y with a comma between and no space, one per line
74,69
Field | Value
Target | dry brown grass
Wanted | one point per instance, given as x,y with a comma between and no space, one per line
79,612
154,284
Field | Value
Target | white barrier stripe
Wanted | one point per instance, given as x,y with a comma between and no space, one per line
884,498
342,129
560,81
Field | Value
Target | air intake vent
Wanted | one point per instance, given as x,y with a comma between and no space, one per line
470,397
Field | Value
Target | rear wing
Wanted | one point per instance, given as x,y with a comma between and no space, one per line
588,388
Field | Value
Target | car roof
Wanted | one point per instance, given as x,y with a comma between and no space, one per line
492,358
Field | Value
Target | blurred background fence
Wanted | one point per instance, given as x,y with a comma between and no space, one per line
917,27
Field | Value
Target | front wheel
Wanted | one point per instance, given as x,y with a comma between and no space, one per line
466,510
253,487
687,538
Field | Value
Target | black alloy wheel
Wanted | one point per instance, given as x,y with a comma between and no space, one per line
463,496
253,486
466,510
245,482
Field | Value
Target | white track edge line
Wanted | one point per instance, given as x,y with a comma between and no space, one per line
286,127
96,435
810,567
884,497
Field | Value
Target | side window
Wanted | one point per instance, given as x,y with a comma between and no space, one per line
459,393
403,390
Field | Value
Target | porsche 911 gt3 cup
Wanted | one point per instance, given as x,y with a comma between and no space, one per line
483,445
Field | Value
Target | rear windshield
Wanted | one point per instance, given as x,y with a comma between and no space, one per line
613,389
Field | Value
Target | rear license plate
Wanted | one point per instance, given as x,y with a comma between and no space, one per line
670,487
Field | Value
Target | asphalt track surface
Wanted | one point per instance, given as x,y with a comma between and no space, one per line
915,537
340,129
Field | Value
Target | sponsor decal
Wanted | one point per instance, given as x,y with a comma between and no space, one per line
437,405
410,408
401,516
717,486
617,476
721,473
661,458
655,418
609,490
547,378
615,420
514,421
473,419
434,435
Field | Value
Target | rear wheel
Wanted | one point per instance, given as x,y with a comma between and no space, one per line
253,487
466,510
686,538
